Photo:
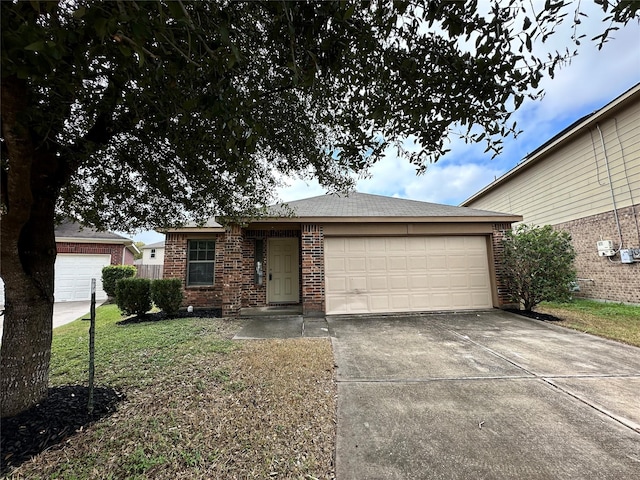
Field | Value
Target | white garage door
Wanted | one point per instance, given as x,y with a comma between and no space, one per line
74,274
73,277
406,274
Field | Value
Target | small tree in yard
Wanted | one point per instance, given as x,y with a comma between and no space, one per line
538,265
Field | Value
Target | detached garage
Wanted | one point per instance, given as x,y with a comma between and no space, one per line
352,254
81,254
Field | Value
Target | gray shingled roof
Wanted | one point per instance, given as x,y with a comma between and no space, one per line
366,205
75,230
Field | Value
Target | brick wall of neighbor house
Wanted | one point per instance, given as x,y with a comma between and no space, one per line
175,266
312,262
497,237
598,277
96,249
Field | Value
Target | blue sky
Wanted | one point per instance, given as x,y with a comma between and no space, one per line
591,80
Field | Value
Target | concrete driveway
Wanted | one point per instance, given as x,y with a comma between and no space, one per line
487,395
63,313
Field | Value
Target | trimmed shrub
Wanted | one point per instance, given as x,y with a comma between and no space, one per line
112,273
133,295
167,294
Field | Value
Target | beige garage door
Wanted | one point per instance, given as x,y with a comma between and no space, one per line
406,274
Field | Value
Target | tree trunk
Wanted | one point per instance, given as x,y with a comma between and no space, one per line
26,338
32,184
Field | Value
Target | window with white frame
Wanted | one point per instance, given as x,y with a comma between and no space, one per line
200,262
153,253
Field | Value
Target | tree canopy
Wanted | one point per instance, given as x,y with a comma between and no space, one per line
139,114
159,111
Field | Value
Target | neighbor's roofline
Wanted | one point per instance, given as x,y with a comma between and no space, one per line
553,143
125,242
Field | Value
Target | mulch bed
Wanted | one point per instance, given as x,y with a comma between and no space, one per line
49,423
156,317
536,315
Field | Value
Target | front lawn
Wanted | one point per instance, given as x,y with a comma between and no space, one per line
198,405
615,321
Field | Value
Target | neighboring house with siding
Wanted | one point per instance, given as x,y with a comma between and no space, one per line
355,254
81,254
586,181
153,254
150,265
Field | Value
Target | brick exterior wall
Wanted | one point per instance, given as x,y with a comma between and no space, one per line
114,250
175,266
497,238
232,272
312,263
600,278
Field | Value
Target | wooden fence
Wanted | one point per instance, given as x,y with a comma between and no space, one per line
149,271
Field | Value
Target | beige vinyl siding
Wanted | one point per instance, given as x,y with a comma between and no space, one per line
572,181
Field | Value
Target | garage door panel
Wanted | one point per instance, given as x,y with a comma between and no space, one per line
387,274
73,274
397,263
378,264
398,283
378,283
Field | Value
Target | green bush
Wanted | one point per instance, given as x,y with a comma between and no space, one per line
167,294
538,265
133,295
112,273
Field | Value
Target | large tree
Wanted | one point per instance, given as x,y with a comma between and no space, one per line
125,114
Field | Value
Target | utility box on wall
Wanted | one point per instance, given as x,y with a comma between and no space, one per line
626,256
605,248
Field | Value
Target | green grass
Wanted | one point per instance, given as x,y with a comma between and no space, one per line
615,321
146,346
198,405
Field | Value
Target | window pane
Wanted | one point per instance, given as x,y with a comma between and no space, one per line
202,255
200,274
202,245
211,245
193,255
211,254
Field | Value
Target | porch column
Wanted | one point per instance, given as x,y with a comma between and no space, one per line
232,272
312,259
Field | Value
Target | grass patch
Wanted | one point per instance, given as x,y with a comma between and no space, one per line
615,321
198,405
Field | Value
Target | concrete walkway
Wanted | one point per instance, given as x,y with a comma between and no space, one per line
490,395
291,326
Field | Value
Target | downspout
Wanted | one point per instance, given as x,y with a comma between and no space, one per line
613,197
124,251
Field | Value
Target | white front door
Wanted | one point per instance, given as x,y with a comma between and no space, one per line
283,274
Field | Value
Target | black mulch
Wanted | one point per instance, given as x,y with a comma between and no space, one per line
49,423
156,317
536,315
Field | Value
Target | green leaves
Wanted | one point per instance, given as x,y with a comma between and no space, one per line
538,265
